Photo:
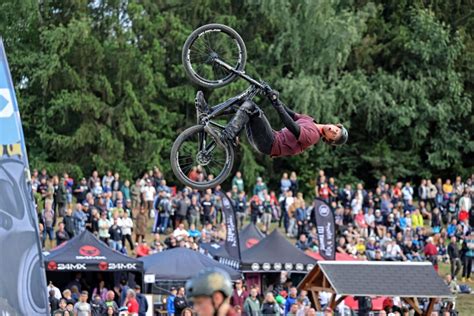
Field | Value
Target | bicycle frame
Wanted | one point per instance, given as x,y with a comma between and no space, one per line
205,118
219,109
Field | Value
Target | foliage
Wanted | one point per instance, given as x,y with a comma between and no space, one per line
100,83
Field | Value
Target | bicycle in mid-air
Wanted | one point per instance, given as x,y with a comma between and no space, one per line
213,56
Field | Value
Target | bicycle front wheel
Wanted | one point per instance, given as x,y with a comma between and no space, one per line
199,161
207,43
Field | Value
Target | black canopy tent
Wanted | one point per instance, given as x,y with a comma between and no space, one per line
87,253
90,256
275,254
249,236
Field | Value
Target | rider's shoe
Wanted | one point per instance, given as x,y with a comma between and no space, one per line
233,128
200,101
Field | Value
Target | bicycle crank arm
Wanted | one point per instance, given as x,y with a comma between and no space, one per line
239,73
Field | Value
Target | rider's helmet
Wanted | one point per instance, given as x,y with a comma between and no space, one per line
209,281
342,139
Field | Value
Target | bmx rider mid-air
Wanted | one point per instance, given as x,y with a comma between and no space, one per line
300,132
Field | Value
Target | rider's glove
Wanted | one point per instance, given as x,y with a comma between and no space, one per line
274,96
271,94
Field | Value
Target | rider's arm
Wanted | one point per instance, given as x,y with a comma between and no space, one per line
287,120
287,116
289,111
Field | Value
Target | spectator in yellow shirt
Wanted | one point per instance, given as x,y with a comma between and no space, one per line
448,187
360,247
416,219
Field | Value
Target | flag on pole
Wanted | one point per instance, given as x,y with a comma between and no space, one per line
326,230
23,278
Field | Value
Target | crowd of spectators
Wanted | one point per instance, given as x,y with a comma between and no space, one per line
393,221
74,300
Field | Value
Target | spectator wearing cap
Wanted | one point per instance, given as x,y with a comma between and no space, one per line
142,301
239,295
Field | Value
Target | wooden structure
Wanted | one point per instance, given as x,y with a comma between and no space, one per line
407,280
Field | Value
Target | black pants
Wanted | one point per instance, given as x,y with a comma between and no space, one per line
467,267
259,130
455,267
129,239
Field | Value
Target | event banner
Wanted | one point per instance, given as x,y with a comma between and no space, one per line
326,229
23,279
232,245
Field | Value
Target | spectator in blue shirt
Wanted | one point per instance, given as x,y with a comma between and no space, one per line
291,299
170,302
80,219
193,232
451,230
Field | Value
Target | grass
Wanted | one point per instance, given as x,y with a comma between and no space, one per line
464,302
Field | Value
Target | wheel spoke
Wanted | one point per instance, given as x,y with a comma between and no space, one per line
200,150
220,43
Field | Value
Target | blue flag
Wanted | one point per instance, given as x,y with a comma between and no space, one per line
23,279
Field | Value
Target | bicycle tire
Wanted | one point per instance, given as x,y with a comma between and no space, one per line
192,75
174,156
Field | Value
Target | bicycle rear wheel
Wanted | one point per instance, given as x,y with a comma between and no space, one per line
198,160
207,43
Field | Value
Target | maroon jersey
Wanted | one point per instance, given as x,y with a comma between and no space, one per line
286,144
